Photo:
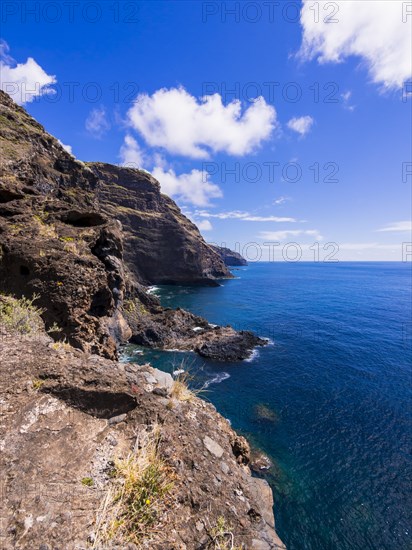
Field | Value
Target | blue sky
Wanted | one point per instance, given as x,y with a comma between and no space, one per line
304,135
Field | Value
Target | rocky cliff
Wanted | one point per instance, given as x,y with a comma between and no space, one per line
229,257
161,244
53,241
85,237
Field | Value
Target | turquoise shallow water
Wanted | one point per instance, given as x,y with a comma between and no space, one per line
337,380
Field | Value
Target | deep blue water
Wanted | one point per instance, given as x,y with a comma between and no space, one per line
338,382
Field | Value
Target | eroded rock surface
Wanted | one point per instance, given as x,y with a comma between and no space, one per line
66,416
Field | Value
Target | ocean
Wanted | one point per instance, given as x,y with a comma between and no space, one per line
328,400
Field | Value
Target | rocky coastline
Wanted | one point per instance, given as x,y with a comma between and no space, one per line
79,243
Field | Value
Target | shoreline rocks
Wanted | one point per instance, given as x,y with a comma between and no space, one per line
161,328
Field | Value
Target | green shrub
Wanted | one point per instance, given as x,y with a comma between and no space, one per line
20,314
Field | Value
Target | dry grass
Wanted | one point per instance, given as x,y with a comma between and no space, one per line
61,346
134,505
20,314
44,229
37,383
181,390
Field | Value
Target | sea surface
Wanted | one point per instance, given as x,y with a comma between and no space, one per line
328,401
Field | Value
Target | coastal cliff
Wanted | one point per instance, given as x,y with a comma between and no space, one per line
86,237
78,244
229,257
162,246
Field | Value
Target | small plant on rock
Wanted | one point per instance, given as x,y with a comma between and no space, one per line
87,481
142,482
181,390
37,384
222,537
20,314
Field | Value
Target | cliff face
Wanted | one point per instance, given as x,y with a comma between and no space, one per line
229,257
161,244
53,241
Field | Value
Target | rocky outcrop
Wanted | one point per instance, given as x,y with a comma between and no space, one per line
68,411
67,417
161,244
157,327
229,257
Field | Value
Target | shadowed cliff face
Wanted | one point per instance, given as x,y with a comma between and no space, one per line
161,244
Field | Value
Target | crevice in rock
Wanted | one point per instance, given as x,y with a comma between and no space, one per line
102,303
84,219
7,196
100,404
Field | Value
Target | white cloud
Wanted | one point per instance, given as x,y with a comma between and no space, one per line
23,81
131,154
377,32
184,125
239,215
281,200
194,187
346,97
204,225
283,235
67,148
96,123
301,125
398,226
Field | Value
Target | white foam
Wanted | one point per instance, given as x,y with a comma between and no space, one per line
269,341
196,329
177,372
217,379
152,289
254,355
